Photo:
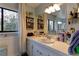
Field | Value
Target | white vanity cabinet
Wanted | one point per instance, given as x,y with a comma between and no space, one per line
35,48
53,52
29,46
38,49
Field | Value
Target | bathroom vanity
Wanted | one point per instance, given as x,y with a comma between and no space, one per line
42,46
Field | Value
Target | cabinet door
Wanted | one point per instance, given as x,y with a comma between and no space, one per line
29,47
53,52
35,51
39,50
43,51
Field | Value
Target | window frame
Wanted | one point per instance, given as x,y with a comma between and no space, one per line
53,25
2,19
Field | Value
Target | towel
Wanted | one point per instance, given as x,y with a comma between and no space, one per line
74,36
74,43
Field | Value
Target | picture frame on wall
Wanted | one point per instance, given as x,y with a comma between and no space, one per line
40,24
29,23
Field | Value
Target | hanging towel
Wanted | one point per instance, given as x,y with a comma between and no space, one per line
74,36
74,43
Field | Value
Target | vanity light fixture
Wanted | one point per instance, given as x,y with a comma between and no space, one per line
47,11
56,6
78,10
51,9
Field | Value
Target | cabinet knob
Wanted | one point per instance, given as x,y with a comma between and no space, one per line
37,51
48,55
40,53
32,46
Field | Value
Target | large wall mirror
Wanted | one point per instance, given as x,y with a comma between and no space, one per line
56,26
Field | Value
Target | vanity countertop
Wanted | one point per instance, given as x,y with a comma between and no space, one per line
57,45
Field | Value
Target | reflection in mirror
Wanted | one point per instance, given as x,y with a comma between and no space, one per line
56,26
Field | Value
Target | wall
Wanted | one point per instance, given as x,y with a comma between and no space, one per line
13,6
70,7
40,9
22,26
31,9
62,14
10,40
11,43
23,8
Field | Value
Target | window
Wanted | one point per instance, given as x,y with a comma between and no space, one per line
50,25
0,19
8,20
56,26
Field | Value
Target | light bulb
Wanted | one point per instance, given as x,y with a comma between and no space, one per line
52,9
47,11
57,7
78,10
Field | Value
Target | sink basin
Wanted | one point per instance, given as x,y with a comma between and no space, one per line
47,41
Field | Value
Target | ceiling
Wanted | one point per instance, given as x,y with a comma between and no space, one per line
34,5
